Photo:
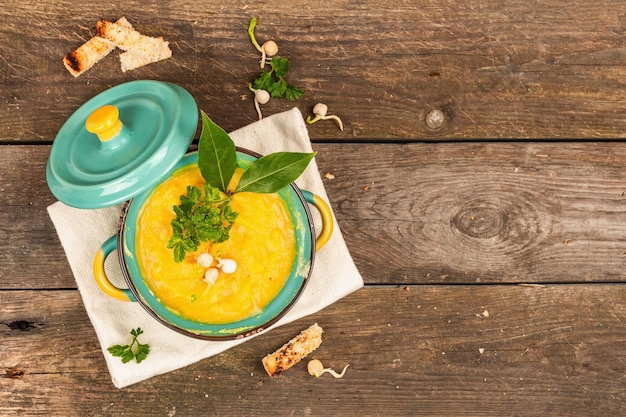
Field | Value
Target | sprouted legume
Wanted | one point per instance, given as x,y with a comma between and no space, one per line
260,97
316,369
320,110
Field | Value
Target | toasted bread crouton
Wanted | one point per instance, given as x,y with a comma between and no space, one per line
130,60
293,351
87,55
140,49
90,52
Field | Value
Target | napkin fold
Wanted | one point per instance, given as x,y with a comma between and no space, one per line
82,232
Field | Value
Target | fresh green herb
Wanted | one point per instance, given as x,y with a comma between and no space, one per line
273,172
126,352
217,156
264,175
209,217
200,219
273,80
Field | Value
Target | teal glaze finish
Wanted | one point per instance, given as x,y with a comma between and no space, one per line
160,120
302,265
308,196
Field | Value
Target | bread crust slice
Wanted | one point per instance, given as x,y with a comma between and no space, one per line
131,60
293,351
87,55
91,52
140,49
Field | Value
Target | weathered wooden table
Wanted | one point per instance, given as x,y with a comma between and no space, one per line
493,245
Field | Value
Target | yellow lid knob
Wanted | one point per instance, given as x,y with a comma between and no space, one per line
104,122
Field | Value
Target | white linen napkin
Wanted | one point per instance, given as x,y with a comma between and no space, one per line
82,232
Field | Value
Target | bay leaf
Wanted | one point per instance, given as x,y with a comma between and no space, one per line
217,156
272,172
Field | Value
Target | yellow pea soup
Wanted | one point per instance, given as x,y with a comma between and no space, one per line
262,242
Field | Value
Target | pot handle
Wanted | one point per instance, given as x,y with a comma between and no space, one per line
101,279
327,218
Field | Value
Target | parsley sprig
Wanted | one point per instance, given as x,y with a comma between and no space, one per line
200,218
273,80
126,351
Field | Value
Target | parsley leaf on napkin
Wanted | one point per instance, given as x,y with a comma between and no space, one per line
126,351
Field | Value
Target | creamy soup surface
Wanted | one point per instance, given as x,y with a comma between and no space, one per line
262,243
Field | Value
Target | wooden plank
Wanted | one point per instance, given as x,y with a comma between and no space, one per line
454,213
481,213
497,69
437,351
33,256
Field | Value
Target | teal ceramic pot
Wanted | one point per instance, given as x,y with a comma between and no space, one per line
138,291
122,144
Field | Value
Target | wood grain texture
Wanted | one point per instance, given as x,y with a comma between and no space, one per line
438,351
493,248
454,213
482,213
497,69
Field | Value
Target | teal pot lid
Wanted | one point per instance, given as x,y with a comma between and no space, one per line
121,143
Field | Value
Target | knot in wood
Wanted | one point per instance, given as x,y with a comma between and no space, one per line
22,325
435,119
480,222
